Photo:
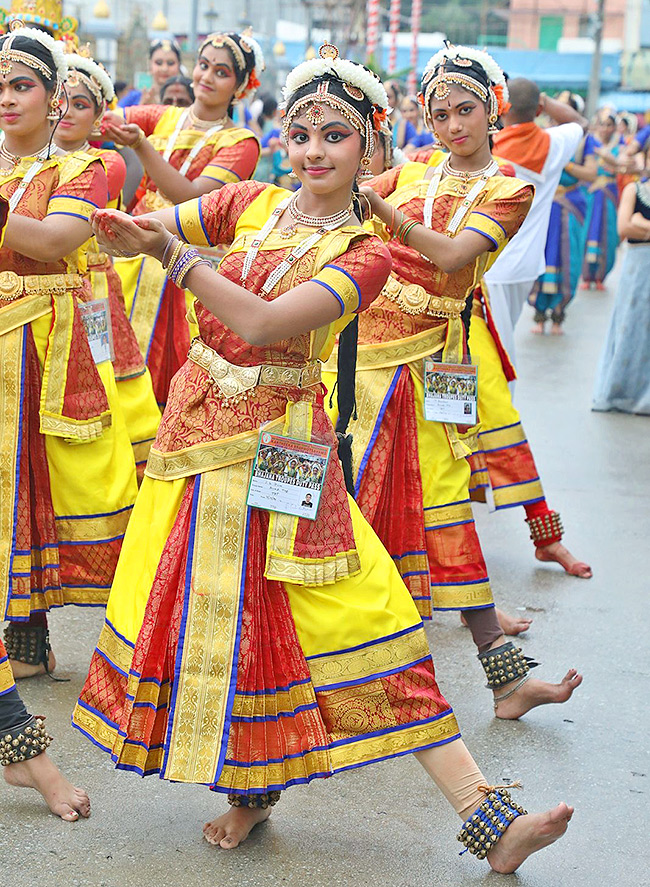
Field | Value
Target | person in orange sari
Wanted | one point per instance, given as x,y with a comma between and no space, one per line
68,480
412,475
185,152
88,91
252,649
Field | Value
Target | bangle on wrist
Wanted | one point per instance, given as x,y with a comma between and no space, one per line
165,255
139,140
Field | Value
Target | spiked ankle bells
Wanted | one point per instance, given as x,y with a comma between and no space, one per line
481,831
545,529
505,664
27,643
24,742
259,802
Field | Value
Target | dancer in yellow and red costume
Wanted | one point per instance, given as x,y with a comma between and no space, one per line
281,629
185,152
68,474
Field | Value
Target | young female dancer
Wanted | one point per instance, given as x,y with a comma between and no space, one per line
412,473
88,91
185,152
68,479
164,62
252,650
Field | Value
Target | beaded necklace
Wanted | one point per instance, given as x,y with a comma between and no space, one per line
296,253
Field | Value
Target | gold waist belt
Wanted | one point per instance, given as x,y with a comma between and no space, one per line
414,299
233,380
13,286
96,259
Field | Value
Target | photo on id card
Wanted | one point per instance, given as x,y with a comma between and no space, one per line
288,475
450,392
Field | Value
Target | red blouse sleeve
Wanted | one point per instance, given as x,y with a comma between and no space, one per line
146,116
236,163
500,219
115,173
357,277
386,183
212,218
80,194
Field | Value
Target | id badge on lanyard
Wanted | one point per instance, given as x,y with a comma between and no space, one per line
288,475
450,392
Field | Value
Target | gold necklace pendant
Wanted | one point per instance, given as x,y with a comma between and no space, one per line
289,231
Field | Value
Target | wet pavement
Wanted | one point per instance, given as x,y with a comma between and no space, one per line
386,824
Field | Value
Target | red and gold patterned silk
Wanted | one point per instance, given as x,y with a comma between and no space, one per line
230,155
72,185
194,413
504,201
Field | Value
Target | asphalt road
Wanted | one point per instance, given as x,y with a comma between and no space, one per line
386,825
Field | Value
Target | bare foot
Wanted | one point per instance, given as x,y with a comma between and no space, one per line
537,329
22,670
513,625
510,625
534,693
585,285
526,835
556,329
61,796
229,830
557,553
600,286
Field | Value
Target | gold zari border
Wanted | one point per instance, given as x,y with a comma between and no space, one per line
364,664
207,456
202,685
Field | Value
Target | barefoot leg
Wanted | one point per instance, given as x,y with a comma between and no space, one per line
559,554
534,693
510,625
526,835
42,774
228,831
457,775
24,670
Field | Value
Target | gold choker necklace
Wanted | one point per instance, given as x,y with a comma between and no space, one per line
489,169
198,123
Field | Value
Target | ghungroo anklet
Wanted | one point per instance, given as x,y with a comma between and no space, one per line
545,529
505,664
24,742
28,643
481,831
260,802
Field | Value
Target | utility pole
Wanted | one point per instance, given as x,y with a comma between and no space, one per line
594,80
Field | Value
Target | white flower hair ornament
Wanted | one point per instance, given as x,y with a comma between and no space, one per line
357,82
83,69
10,56
240,46
437,81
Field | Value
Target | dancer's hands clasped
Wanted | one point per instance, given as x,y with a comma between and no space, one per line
122,235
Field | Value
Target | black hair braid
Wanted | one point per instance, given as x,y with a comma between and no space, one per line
346,397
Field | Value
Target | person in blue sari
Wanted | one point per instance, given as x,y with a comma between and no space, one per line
565,240
623,378
602,202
